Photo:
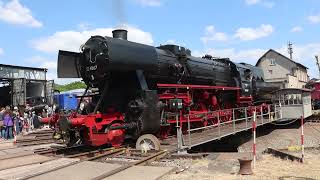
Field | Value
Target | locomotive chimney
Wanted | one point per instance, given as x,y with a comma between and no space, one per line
120,34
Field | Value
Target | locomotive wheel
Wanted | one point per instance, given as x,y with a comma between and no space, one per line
148,142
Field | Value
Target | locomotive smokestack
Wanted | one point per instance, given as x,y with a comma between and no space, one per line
120,34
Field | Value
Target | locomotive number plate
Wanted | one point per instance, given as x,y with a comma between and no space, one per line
91,68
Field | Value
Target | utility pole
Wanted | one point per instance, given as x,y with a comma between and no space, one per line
317,61
290,51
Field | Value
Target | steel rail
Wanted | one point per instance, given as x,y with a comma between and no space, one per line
141,162
112,151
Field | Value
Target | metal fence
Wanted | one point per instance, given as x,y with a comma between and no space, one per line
241,121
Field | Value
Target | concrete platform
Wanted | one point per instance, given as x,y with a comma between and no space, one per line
81,171
25,171
5,144
6,156
88,170
21,161
14,149
142,172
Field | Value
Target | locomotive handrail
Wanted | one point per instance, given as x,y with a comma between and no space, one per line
190,86
262,117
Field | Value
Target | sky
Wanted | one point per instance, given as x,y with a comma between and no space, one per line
33,31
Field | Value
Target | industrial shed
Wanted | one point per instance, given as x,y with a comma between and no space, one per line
22,86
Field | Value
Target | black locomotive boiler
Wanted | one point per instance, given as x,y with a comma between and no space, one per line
142,88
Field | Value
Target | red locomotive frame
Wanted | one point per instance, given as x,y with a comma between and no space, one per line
92,125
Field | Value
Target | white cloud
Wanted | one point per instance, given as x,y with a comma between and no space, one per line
296,29
71,40
153,3
302,53
248,55
314,19
13,12
42,62
212,35
247,33
243,34
267,4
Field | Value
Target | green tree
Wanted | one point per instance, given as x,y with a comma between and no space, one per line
70,86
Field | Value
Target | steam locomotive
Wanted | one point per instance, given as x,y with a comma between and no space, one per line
142,89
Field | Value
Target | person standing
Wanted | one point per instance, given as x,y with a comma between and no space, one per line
49,111
8,123
30,120
21,122
2,129
36,120
16,119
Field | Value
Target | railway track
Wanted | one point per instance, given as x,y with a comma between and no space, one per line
36,142
145,160
129,157
36,138
106,152
122,157
43,133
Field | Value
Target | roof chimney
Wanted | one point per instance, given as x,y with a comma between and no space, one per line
120,34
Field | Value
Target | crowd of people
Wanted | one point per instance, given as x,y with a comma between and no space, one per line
14,121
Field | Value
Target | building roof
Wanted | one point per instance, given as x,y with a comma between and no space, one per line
271,50
23,67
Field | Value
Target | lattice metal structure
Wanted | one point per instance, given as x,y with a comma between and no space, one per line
49,91
26,82
19,92
16,72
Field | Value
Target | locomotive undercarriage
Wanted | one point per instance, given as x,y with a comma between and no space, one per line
124,118
144,91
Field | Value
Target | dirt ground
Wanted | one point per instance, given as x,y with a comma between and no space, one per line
268,167
284,138
225,166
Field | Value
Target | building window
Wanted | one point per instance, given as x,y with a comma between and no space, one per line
272,62
270,71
